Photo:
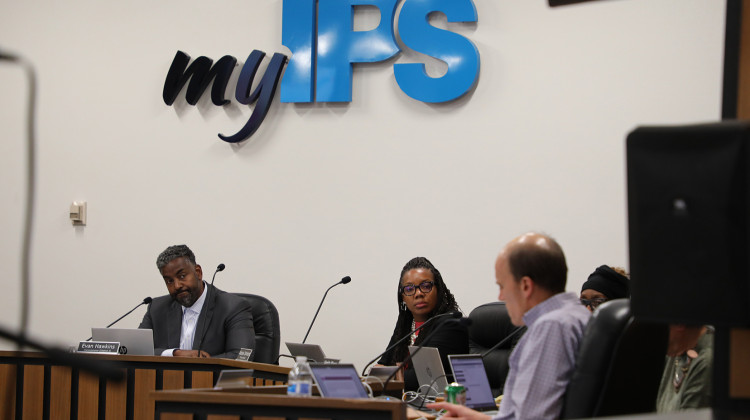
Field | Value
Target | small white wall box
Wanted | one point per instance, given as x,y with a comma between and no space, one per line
78,213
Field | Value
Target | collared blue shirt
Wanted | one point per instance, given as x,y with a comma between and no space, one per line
542,363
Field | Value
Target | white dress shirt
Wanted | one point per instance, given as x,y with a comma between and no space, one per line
189,322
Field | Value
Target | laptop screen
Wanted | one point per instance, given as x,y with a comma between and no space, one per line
338,381
468,369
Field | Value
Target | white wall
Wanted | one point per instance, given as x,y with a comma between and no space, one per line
323,191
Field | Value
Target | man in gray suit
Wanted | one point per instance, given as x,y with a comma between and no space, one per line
195,316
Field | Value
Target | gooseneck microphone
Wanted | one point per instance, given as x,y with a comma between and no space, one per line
7,56
504,340
455,314
219,267
146,301
345,280
464,321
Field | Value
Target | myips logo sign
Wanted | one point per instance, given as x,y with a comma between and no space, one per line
324,49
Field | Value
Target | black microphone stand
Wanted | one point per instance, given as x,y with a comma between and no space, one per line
401,340
504,340
345,280
220,267
145,301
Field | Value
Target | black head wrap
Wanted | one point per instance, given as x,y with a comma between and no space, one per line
608,282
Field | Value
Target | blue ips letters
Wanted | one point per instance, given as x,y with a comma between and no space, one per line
322,56
458,52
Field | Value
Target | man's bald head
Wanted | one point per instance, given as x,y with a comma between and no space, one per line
538,257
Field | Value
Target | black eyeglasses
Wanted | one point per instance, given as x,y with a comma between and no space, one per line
594,303
410,289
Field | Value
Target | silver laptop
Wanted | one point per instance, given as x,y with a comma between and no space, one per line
382,372
338,380
313,352
429,370
235,378
468,370
134,341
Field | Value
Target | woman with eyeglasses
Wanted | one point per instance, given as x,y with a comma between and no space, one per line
421,295
605,283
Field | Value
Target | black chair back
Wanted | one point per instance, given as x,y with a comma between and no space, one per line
491,324
267,328
619,365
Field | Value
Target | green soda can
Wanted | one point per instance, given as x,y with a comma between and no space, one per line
455,393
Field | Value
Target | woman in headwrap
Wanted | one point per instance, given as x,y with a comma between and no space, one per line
605,283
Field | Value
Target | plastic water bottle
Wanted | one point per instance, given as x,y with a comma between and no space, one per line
299,383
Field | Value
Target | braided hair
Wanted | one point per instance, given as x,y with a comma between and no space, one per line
446,303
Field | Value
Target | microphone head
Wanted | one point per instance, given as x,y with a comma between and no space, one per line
346,279
7,56
221,267
147,300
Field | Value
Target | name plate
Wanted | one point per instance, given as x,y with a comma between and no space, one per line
104,347
244,354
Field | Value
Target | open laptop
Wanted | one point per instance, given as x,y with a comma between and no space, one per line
134,341
382,372
429,370
468,369
338,380
235,378
313,352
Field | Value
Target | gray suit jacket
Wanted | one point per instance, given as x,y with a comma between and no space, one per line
225,319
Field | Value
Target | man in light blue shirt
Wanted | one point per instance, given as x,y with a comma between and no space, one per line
532,273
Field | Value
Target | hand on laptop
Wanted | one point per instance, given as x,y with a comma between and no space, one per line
189,353
458,411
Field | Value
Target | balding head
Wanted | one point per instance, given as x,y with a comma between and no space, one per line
538,257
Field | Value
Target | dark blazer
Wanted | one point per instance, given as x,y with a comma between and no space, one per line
225,318
451,337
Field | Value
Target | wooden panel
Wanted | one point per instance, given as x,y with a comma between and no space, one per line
267,382
175,416
240,402
743,84
173,379
33,392
145,382
739,384
8,394
60,382
88,396
117,400
60,379
203,379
